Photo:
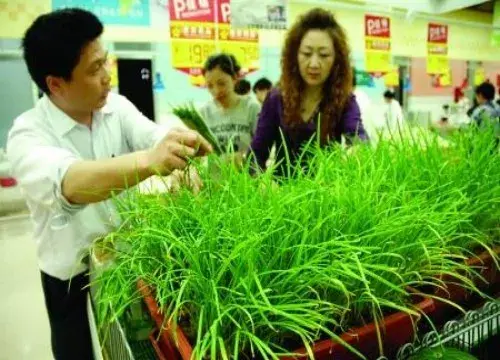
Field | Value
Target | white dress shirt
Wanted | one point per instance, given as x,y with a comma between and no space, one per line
365,104
42,144
393,116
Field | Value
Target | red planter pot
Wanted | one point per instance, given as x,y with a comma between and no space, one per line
158,346
166,338
396,330
485,265
488,282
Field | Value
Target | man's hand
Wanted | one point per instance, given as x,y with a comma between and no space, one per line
189,178
175,150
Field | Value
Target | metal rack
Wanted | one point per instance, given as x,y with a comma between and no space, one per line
116,346
112,343
467,333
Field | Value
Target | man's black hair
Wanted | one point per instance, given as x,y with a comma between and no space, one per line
262,84
54,42
486,90
226,62
242,87
389,94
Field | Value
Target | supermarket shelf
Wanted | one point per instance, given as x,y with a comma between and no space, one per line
467,333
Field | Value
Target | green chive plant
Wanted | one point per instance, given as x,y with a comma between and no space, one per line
254,270
193,120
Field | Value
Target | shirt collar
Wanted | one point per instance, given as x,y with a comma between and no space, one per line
61,122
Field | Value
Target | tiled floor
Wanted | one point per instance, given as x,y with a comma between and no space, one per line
11,200
24,328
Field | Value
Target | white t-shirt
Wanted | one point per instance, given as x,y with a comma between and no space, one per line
42,144
365,104
393,115
235,125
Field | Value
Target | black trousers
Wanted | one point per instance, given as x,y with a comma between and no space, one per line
66,303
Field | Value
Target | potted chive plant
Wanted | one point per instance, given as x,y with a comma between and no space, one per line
193,120
245,269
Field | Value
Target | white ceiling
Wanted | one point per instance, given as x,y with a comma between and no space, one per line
426,6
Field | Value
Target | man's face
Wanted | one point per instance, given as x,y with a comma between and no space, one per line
261,95
89,85
480,99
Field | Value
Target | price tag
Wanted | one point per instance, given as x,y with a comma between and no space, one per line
191,53
246,53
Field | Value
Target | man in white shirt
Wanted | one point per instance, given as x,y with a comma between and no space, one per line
364,104
262,88
393,113
71,152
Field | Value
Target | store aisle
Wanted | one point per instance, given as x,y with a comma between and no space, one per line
24,327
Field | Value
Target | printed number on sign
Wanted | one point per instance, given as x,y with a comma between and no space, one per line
199,53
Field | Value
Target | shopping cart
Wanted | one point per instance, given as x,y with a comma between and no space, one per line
472,333
112,343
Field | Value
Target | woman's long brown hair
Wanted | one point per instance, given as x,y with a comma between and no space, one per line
338,86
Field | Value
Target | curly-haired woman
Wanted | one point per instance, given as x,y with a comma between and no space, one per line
314,93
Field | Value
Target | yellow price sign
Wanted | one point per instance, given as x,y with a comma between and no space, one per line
479,76
17,15
381,44
391,79
437,64
445,79
113,70
378,61
247,53
197,80
191,53
438,49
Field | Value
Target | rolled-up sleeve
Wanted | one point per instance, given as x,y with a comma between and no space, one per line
39,166
353,126
141,132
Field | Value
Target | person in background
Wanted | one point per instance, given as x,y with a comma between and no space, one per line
445,114
458,95
77,147
231,117
364,104
462,104
314,93
243,87
393,114
486,107
461,101
473,107
261,89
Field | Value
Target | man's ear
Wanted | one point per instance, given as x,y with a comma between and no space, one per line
55,84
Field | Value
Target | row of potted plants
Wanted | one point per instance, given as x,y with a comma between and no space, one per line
326,262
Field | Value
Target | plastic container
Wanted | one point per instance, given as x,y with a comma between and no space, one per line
158,346
166,340
488,281
396,330
7,182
